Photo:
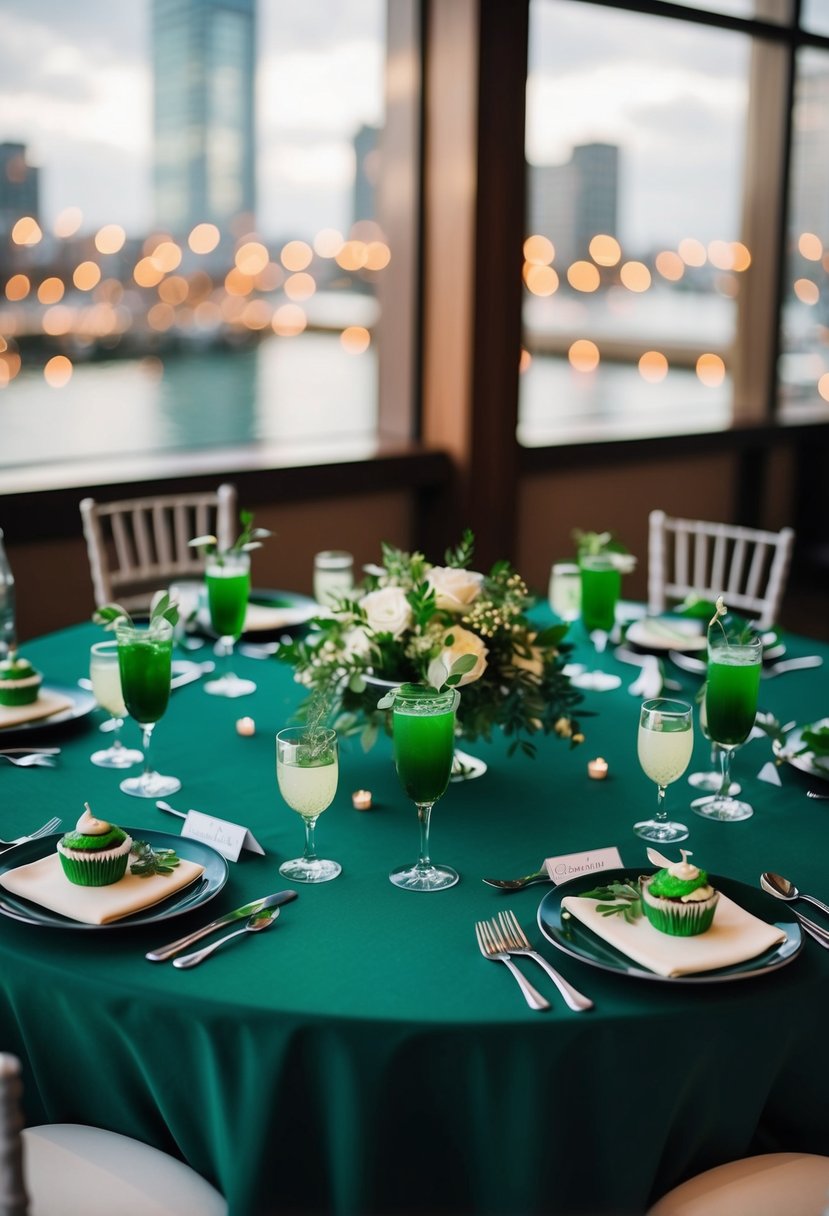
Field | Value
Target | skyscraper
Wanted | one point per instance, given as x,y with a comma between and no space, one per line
19,182
203,93
571,203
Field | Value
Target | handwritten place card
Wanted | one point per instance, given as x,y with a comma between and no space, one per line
226,838
569,865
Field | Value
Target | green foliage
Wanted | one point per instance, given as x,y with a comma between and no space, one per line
248,539
162,608
152,861
627,895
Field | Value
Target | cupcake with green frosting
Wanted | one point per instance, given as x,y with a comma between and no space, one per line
19,682
96,853
679,900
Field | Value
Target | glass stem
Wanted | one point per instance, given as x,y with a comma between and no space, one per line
725,763
227,657
310,853
117,723
147,733
424,814
661,813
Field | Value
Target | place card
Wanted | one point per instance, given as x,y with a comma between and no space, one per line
569,865
770,774
225,837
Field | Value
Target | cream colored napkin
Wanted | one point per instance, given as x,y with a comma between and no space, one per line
44,882
734,937
659,631
263,617
47,703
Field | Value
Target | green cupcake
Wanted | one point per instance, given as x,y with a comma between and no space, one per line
679,900
96,853
19,682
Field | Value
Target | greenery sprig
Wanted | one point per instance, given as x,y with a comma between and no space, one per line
162,608
248,539
150,861
601,544
627,894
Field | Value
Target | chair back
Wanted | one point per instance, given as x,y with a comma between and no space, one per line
136,546
747,566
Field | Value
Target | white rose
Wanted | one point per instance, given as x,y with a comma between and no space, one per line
454,589
463,642
387,611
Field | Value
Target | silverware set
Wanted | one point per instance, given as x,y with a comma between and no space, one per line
260,912
502,937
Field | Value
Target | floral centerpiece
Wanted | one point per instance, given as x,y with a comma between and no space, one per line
445,625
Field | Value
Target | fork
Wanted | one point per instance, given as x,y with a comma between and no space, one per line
41,831
32,760
491,946
517,942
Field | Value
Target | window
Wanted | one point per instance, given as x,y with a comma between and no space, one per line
655,147
190,250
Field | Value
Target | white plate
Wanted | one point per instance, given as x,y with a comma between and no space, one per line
806,763
667,633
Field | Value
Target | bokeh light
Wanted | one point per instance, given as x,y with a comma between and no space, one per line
653,366
68,222
670,265
86,276
251,258
810,246
51,290
635,276
540,280
58,371
296,255
583,355
605,250
328,242
583,276
710,370
300,286
110,238
289,320
18,287
355,339
806,291
539,250
692,251
26,231
204,238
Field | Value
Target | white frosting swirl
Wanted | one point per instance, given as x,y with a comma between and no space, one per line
683,870
88,825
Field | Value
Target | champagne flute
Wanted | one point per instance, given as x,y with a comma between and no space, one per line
601,585
105,674
307,769
423,734
666,739
730,706
709,780
228,587
144,658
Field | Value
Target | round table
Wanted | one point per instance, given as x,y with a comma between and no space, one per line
362,1056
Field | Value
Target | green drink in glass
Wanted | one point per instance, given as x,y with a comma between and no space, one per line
423,733
601,585
228,587
144,661
731,696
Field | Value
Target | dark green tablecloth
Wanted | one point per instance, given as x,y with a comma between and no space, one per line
362,1057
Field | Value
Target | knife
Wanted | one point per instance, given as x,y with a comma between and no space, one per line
258,905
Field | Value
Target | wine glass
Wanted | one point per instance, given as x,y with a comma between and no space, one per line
105,674
710,779
601,585
307,769
228,586
564,593
666,739
423,734
144,658
730,706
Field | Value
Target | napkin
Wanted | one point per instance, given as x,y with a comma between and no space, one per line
265,617
734,937
46,704
661,631
44,882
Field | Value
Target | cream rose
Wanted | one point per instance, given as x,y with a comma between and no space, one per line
387,611
454,589
463,642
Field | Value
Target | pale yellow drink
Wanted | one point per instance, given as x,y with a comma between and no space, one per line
105,675
308,789
664,754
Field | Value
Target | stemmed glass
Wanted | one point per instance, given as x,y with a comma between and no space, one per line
333,575
228,586
307,769
730,707
564,592
423,734
666,739
709,780
144,658
105,675
601,585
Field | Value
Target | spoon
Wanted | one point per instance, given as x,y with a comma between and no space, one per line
259,920
787,890
515,884
816,931
815,794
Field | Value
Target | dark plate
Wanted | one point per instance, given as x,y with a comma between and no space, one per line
199,892
575,939
82,704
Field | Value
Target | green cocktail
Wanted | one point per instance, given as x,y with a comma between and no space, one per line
423,732
731,696
144,662
228,587
601,586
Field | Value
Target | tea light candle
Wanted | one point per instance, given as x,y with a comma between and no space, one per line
246,727
361,800
597,768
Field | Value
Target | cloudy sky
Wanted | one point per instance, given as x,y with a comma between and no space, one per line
75,87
